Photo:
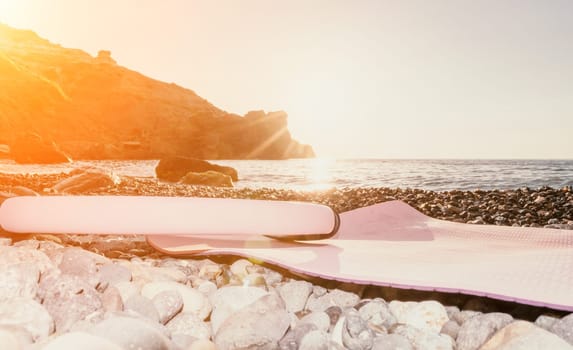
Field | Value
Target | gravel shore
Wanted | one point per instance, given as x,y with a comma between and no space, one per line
108,292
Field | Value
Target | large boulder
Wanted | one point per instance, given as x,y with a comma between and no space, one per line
207,178
81,182
33,149
175,168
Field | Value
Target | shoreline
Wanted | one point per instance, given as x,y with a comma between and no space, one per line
330,304
542,207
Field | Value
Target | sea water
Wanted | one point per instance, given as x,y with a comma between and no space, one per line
316,174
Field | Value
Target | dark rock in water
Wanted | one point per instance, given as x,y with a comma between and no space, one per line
83,182
33,149
173,169
207,178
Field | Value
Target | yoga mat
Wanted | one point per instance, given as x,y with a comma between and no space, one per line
392,244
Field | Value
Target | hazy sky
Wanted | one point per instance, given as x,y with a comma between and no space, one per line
387,79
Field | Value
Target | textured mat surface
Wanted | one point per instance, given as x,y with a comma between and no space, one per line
392,244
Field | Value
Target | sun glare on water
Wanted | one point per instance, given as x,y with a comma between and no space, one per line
320,175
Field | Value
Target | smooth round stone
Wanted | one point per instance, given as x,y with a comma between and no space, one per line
189,324
377,313
295,294
314,340
429,314
209,270
10,341
193,300
239,267
131,333
81,340
203,344
254,279
564,328
12,255
545,321
477,330
522,335
462,316
69,299
335,297
19,280
143,306
424,338
391,342
82,263
228,300
451,328
114,273
182,341
207,288
127,289
319,291
272,277
355,334
145,274
47,246
111,299
260,324
451,311
16,335
27,314
293,337
319,319
27,244
167,303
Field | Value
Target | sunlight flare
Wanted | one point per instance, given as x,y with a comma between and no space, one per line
320,175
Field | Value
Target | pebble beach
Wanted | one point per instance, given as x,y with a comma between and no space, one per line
111,292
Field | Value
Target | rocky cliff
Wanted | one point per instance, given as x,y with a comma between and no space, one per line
95,109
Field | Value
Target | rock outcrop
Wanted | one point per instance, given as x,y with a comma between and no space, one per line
95,109
33,149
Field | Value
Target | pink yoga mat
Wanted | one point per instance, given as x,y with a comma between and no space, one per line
392,244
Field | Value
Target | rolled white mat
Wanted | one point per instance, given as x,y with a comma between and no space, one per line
166,215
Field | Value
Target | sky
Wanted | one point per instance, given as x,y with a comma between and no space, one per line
359,79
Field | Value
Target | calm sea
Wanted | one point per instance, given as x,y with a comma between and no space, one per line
311,174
